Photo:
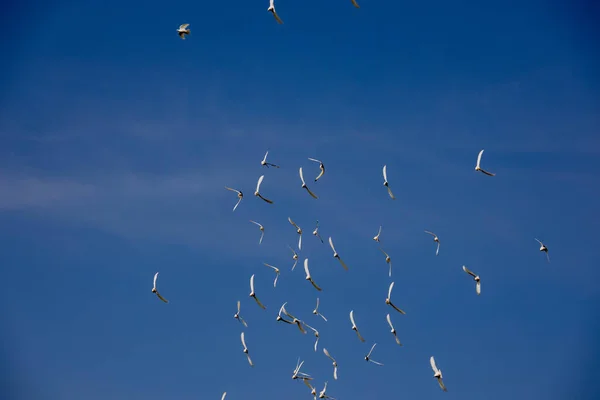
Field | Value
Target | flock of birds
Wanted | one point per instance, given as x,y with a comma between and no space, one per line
286,317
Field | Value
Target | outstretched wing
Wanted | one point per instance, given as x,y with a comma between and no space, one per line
331,244
433,366
301,176
385,173
311,193
479,158
390,290
259,183
469,271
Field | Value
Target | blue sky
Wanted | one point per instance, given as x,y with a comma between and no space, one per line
117,137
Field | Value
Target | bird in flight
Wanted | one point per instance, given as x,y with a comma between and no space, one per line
321,167
155,290
322,395
544,249
316,232
435,239
262,230
478,166
389,320
388,300
475,278
336,255
276,273
240,196
253,294
297,374
316,311
354,327
386,184
316,332
387,260
308,276
264,162
437,374
376,237
257,192
295,257
294,319
272,10
183,30
355,4
304,184
280,318
368,356
238,316
246,349
298,231
313,390
335,364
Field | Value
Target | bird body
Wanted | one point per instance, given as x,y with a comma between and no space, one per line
544,249
475,278
437,374
272,10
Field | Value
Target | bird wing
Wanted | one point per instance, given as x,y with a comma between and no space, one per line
182,35
306,268
301,176
355,4
155,278
224,394
376,362
300,242
239,306
315,160
379,233
389,321
331,244
478,288
237,204
265,199
252,284
265,157
317,307
390,290
385,173
262,235
352,318
261,305
431,233
311,193
249,360
270,266
259,183
441,383
360,336
243,322
275,281
162,298
469,271
479,158
279,21
233,190
487,173
386,254
256,223
343,263
391,194
315,285
243,337
293,223
335,372
307,383
433,366
397,309
320,238
327,354
370,351
537,240
282,309
437,251
183,26
321,173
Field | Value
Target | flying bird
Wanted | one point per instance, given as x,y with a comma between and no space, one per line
478,166
308,277
435,239
544,249
262,230
297,374
355,4
298,231
155,290
321,167
238,316
316,311
322,395
475,278
388,300
240,196
257,192
336,255
183,30
335,364
276,273
253,294
376,237
354,327
294,319
437,374
313,390
272,10
304,184
368,356
316,332
295,257
280,318
246,349
316,232
386,184
389,320
387,260
264,162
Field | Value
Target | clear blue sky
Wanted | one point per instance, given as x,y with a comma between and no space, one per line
117,137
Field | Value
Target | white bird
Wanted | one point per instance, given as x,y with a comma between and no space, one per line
182,31
389,320
316,311
155,290
316,332
313,390
295,257
272,10
437,373
478,166
297,374
387,260
316,232
262,230
376,237
276,273
386,184
298,231
544,249
355,4
264,162
224,394
435,239
253,294
308,277
336,255
322,395
335,364
294,319
238,316
246,349
475,278
321,167
280,318
304,184
257,192
368,356
354,327
388,300
240,196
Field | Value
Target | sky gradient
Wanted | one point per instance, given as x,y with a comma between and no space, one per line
117,139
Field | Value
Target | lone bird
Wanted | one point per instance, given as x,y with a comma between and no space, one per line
183,30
